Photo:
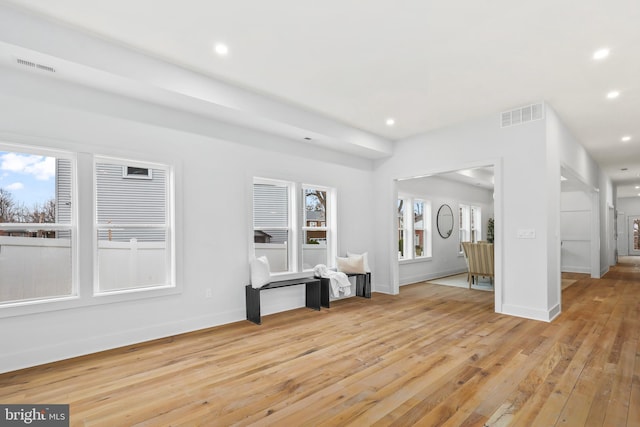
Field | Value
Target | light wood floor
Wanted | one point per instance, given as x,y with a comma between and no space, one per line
434,355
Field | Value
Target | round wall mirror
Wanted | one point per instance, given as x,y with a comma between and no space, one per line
444,221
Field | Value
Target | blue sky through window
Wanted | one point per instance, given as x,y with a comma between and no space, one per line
29,178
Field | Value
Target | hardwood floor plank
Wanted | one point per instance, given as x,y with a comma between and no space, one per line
432,355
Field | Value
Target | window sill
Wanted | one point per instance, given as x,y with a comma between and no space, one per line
415,260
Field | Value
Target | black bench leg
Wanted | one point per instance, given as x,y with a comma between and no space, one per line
363,285
312,295
253,304
325,284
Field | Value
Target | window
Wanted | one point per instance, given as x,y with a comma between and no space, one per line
37,225
272,223
414,228
314,229
418,229
133,227
402,230
470,224
293,225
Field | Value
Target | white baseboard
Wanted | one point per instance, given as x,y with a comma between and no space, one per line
576,269
88,345
531,313
430,276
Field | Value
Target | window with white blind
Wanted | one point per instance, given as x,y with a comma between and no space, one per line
133,224
272,221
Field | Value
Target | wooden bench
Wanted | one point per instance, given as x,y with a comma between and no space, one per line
312,295
363,287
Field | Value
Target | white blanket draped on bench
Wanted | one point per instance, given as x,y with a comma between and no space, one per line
340,285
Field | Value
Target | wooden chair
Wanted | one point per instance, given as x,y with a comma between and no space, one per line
479,257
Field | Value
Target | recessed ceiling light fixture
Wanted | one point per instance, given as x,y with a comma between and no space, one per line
390,122
600,54
637,187
613,94
221,49
625,138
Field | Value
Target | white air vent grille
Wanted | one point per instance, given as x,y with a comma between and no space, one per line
35,65
521,115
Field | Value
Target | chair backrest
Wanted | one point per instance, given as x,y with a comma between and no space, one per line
479,257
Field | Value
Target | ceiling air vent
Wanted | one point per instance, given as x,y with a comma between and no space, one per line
35,65
521,115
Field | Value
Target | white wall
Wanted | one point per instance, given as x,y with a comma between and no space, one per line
521,188
446,258
216,163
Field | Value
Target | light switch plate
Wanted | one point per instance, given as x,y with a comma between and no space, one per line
526,233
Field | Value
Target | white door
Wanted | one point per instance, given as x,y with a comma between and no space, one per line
634,236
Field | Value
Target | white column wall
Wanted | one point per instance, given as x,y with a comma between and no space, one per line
519,154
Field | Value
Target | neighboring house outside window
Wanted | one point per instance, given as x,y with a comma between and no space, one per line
133,226
315,234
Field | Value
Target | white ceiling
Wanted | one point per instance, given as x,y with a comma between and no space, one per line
426,63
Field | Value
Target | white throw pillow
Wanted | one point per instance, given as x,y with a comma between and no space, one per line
365,258
353,264
260,274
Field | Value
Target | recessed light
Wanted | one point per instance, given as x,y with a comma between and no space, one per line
613,94
307,138
624,169
600,54
625,138
221,49
390,122
637,187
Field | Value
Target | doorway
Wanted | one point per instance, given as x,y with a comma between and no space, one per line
471,199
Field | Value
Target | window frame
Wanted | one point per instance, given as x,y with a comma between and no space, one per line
296,224
409,228
470,227
168,226
83,208
19,307
292,235
404,229
328,227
